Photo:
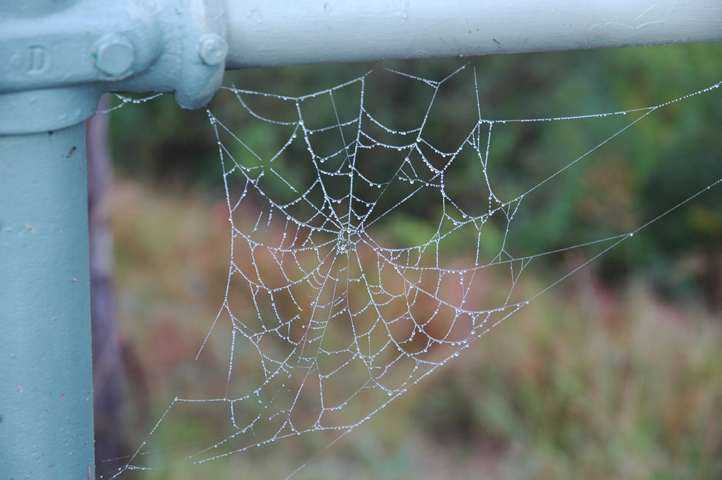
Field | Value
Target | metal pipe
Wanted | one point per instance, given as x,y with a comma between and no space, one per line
46,395
267,33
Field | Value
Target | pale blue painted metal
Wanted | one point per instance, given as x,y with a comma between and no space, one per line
32,111
184,46
46,407
58,56
94,46
264,33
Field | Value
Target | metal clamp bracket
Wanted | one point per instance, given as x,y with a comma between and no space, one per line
54,68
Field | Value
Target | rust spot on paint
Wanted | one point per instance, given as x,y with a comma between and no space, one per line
75,279
62,395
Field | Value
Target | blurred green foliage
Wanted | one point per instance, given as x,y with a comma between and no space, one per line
582,384
653,166
586,384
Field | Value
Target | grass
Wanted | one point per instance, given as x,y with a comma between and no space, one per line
585,383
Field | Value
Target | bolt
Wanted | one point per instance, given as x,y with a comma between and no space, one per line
214,49
114,54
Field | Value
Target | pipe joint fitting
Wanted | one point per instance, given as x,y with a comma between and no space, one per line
102,46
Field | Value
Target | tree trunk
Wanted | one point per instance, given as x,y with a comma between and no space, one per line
109,390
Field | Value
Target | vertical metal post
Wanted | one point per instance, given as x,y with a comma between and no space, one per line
56,58
46,399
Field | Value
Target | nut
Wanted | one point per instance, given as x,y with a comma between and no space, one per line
114,55
214,49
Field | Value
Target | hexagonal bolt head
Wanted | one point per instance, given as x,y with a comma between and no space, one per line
114,54
214,49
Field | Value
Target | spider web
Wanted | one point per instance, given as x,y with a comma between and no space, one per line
339,316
